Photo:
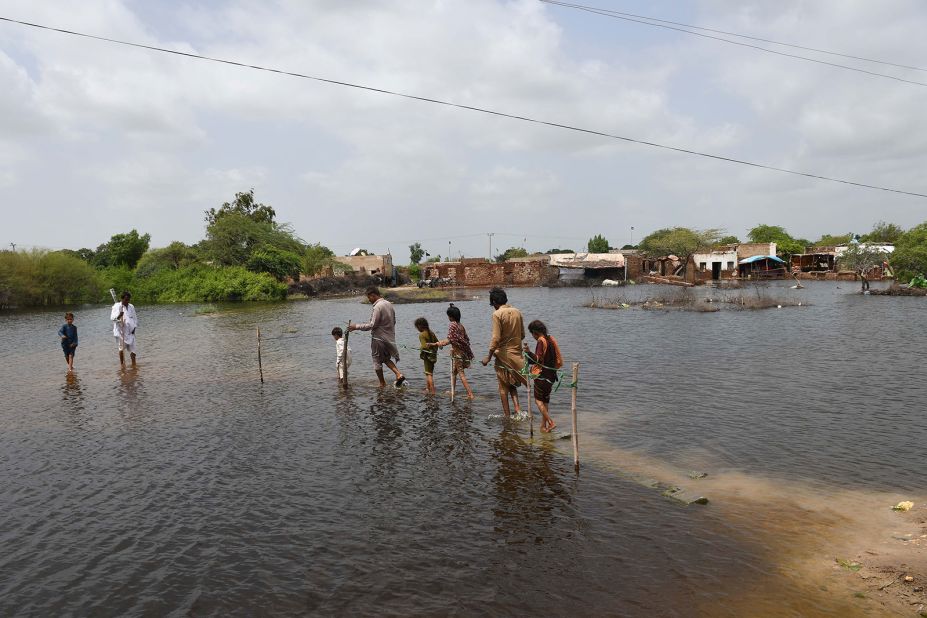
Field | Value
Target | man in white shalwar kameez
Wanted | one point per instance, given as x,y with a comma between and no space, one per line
125,320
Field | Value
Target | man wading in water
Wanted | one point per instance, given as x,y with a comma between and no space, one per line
508,331
125,321
382,325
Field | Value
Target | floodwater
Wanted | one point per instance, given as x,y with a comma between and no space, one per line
187,487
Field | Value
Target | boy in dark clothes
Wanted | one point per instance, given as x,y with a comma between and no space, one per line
68,335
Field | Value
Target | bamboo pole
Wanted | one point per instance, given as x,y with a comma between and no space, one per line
573,412
344,357
260,366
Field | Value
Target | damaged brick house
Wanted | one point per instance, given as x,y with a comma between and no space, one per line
480,272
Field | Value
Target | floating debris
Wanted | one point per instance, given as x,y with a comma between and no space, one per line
907,505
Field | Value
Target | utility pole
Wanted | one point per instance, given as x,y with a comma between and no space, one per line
490,234
632,236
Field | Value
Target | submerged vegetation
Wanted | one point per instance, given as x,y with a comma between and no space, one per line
740,298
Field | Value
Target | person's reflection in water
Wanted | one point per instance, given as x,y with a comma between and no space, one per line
130,386
386,413
72,396
529,492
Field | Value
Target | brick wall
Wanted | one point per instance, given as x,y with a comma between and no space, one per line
482,273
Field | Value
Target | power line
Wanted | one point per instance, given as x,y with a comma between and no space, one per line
616,15
468,107
743,36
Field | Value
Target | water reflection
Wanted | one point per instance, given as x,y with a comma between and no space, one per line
72,394
528,488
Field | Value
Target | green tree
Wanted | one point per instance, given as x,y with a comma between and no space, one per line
727,240
883,232
244,205
551,251
315,258
679,241
233,237
785,244
597,244
416,253
122,250
278,263
172,257
861,260
910,255
512,252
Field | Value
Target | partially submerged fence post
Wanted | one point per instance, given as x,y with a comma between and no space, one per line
344,357
530,413
452,374
260,366
573,411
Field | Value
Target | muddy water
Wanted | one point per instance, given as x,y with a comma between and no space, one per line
188,487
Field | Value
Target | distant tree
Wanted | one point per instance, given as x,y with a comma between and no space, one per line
552,251
244,205
315,258
597,244
416,253
728,240
679,241
432,259
172,257
122,250
862,260
512,252
239,228
833,240
785,244
883,232
910,256
628,247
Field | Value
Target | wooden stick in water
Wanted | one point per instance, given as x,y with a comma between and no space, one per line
573,412
344,357
452,374
260,366
530,413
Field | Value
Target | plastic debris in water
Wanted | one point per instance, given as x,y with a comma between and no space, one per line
907,505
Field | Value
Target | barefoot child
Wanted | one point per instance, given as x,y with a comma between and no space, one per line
342,354
426,341
544,361
68,335
460,345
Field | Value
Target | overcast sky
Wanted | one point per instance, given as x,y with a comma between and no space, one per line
96,139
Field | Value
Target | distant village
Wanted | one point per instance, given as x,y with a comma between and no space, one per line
744,261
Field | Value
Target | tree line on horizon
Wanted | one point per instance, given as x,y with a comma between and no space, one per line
247,254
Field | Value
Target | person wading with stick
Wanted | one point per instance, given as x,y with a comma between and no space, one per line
382,327
508,331
125,321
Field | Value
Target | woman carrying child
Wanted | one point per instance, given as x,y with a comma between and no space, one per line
429,355
460,346
544,361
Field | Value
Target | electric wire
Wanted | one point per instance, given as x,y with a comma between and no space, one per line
467,107
607,13
743,36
